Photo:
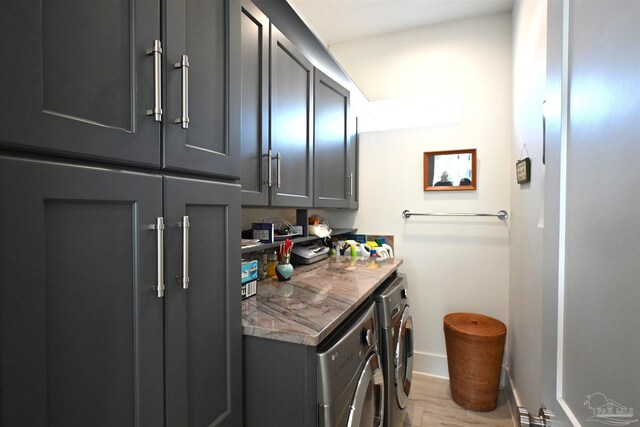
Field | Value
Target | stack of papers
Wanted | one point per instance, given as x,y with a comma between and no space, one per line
248,243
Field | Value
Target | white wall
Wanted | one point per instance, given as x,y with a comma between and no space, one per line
453,264
525,292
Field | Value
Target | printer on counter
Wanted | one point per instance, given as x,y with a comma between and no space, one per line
308,253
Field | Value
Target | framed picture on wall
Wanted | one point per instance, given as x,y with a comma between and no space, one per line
452,170
523,170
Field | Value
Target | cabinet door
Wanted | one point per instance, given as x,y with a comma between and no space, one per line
203,335
80,320
76,78
331,142
291,124
352,162
208,32
254,133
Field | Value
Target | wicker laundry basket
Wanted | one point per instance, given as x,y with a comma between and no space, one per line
475,345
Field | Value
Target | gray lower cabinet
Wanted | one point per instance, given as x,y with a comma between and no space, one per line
85,338
280,384
203,326
332,176
80,325
108,80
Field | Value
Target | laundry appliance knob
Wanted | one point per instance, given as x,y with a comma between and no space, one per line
367,336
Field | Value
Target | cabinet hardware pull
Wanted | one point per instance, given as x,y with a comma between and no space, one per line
160,254
350,193
278,167
185,251
184,117
156,51
269,171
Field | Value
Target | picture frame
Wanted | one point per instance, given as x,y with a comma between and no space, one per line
451,170
523,170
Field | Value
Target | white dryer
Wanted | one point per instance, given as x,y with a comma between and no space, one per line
396,346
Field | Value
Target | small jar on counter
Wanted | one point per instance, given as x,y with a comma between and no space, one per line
261,257
272,261
262,265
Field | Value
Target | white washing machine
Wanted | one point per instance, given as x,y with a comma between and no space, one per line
350,378
396,346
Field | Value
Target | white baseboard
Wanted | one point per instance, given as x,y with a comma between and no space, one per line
436,366
430,364
512,397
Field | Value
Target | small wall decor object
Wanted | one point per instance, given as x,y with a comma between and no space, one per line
452,170
523,170
523,166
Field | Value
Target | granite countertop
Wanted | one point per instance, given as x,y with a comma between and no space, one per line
307,308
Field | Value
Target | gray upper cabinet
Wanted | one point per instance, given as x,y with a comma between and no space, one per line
333,180
254,134
284,101
291,124
80,82
353,147
100,81
202,114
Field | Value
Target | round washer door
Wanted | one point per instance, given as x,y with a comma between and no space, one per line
367,407
403,359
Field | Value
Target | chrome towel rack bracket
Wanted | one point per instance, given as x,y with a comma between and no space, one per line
502,214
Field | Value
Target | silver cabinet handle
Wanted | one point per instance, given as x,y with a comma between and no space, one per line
278,167
185,252
160,254
156,51
184,117
350,193
269,171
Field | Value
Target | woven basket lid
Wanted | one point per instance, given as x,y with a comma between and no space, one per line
475,324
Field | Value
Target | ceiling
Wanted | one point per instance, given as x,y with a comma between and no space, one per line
338,21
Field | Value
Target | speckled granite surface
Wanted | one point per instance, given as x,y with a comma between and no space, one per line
307,308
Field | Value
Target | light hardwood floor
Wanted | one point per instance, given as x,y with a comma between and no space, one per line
430,405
